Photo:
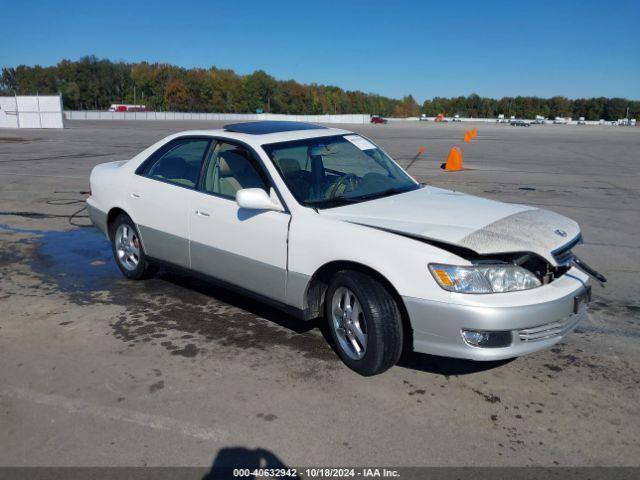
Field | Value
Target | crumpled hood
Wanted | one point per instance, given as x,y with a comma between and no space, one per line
482,225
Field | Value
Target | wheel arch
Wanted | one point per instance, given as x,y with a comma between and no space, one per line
314,295
113,214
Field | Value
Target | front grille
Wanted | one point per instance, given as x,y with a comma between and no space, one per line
550,330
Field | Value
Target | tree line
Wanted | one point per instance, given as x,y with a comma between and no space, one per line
94,84
528,107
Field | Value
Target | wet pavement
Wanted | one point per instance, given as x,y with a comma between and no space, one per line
99,370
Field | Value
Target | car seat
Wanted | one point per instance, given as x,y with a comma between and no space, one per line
298,180
233,172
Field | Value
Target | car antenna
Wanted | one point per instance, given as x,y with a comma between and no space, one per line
421,150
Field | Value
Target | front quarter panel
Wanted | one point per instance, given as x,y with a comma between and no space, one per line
316,240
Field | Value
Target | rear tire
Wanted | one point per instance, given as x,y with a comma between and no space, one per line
127,249
365,322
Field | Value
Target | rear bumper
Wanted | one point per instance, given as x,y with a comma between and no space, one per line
437,326
97,216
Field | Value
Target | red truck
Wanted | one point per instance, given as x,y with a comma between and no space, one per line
118,107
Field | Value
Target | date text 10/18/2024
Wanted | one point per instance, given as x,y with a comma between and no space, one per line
317,472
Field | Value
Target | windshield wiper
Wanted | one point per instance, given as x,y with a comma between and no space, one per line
383,193
327,202
339,201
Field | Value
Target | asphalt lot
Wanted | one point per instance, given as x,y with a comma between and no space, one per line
97,370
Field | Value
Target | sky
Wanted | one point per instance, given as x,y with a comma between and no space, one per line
425,48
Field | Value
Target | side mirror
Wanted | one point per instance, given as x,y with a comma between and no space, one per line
257,199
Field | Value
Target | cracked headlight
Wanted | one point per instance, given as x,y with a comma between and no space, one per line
493,278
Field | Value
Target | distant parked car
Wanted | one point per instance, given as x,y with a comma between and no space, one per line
378,119
116,107
321,222
519,123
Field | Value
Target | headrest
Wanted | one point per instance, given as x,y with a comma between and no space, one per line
172,167
289,166
231,163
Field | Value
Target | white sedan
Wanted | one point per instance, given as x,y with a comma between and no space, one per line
322,223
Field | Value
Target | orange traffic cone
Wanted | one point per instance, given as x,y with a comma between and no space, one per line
474,133
467,136
454,161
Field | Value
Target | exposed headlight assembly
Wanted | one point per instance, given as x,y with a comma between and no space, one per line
489,278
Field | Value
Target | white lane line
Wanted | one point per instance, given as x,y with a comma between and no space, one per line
37,175
81,407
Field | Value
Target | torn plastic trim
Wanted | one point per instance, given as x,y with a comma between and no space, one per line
581,265
563,254
565,257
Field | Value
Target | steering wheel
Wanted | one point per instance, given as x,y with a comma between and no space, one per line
349,180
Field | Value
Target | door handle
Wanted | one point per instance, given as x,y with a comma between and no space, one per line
200,213
135,195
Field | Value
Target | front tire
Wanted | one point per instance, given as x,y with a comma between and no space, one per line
128,250
365,322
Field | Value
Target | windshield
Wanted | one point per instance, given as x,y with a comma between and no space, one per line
332,171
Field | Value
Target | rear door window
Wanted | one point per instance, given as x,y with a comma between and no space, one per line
180,162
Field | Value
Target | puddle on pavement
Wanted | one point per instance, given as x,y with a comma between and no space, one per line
77,260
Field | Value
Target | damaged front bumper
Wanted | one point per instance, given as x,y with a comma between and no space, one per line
535,319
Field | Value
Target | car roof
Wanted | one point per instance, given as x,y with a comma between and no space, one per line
275,132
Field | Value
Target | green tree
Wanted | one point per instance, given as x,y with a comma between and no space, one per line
260,89
407,108
176,95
